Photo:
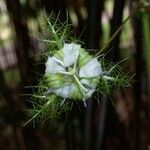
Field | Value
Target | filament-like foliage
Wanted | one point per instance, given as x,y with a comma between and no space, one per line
66,82
54,33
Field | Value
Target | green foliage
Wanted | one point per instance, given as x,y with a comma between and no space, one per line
119,80
54,33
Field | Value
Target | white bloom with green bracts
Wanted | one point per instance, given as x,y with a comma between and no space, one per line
72,72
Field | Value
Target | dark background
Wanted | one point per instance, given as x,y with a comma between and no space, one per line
125,126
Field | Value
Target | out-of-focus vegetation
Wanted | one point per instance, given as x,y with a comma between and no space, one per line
103,126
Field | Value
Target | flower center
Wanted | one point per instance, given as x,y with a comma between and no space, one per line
71,70
73,76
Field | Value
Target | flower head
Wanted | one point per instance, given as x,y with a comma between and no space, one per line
72,72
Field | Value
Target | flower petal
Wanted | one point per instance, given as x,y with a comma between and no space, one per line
53,66
71,52
63,91
87,83
90,82
89,94
90,69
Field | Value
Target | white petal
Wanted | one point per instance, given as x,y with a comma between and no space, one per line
87,83
89,94
91,69
53,66
71,52
63,91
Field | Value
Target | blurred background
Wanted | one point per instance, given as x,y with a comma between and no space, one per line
125,126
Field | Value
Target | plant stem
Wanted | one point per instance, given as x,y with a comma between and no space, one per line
117,31
80,85
67,73
59,44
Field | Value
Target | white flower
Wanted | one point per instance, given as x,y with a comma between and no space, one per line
67,65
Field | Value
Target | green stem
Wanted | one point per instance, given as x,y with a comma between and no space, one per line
46,104
59,44
108,78
79,83
67,73
118,30
146,29
49,41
